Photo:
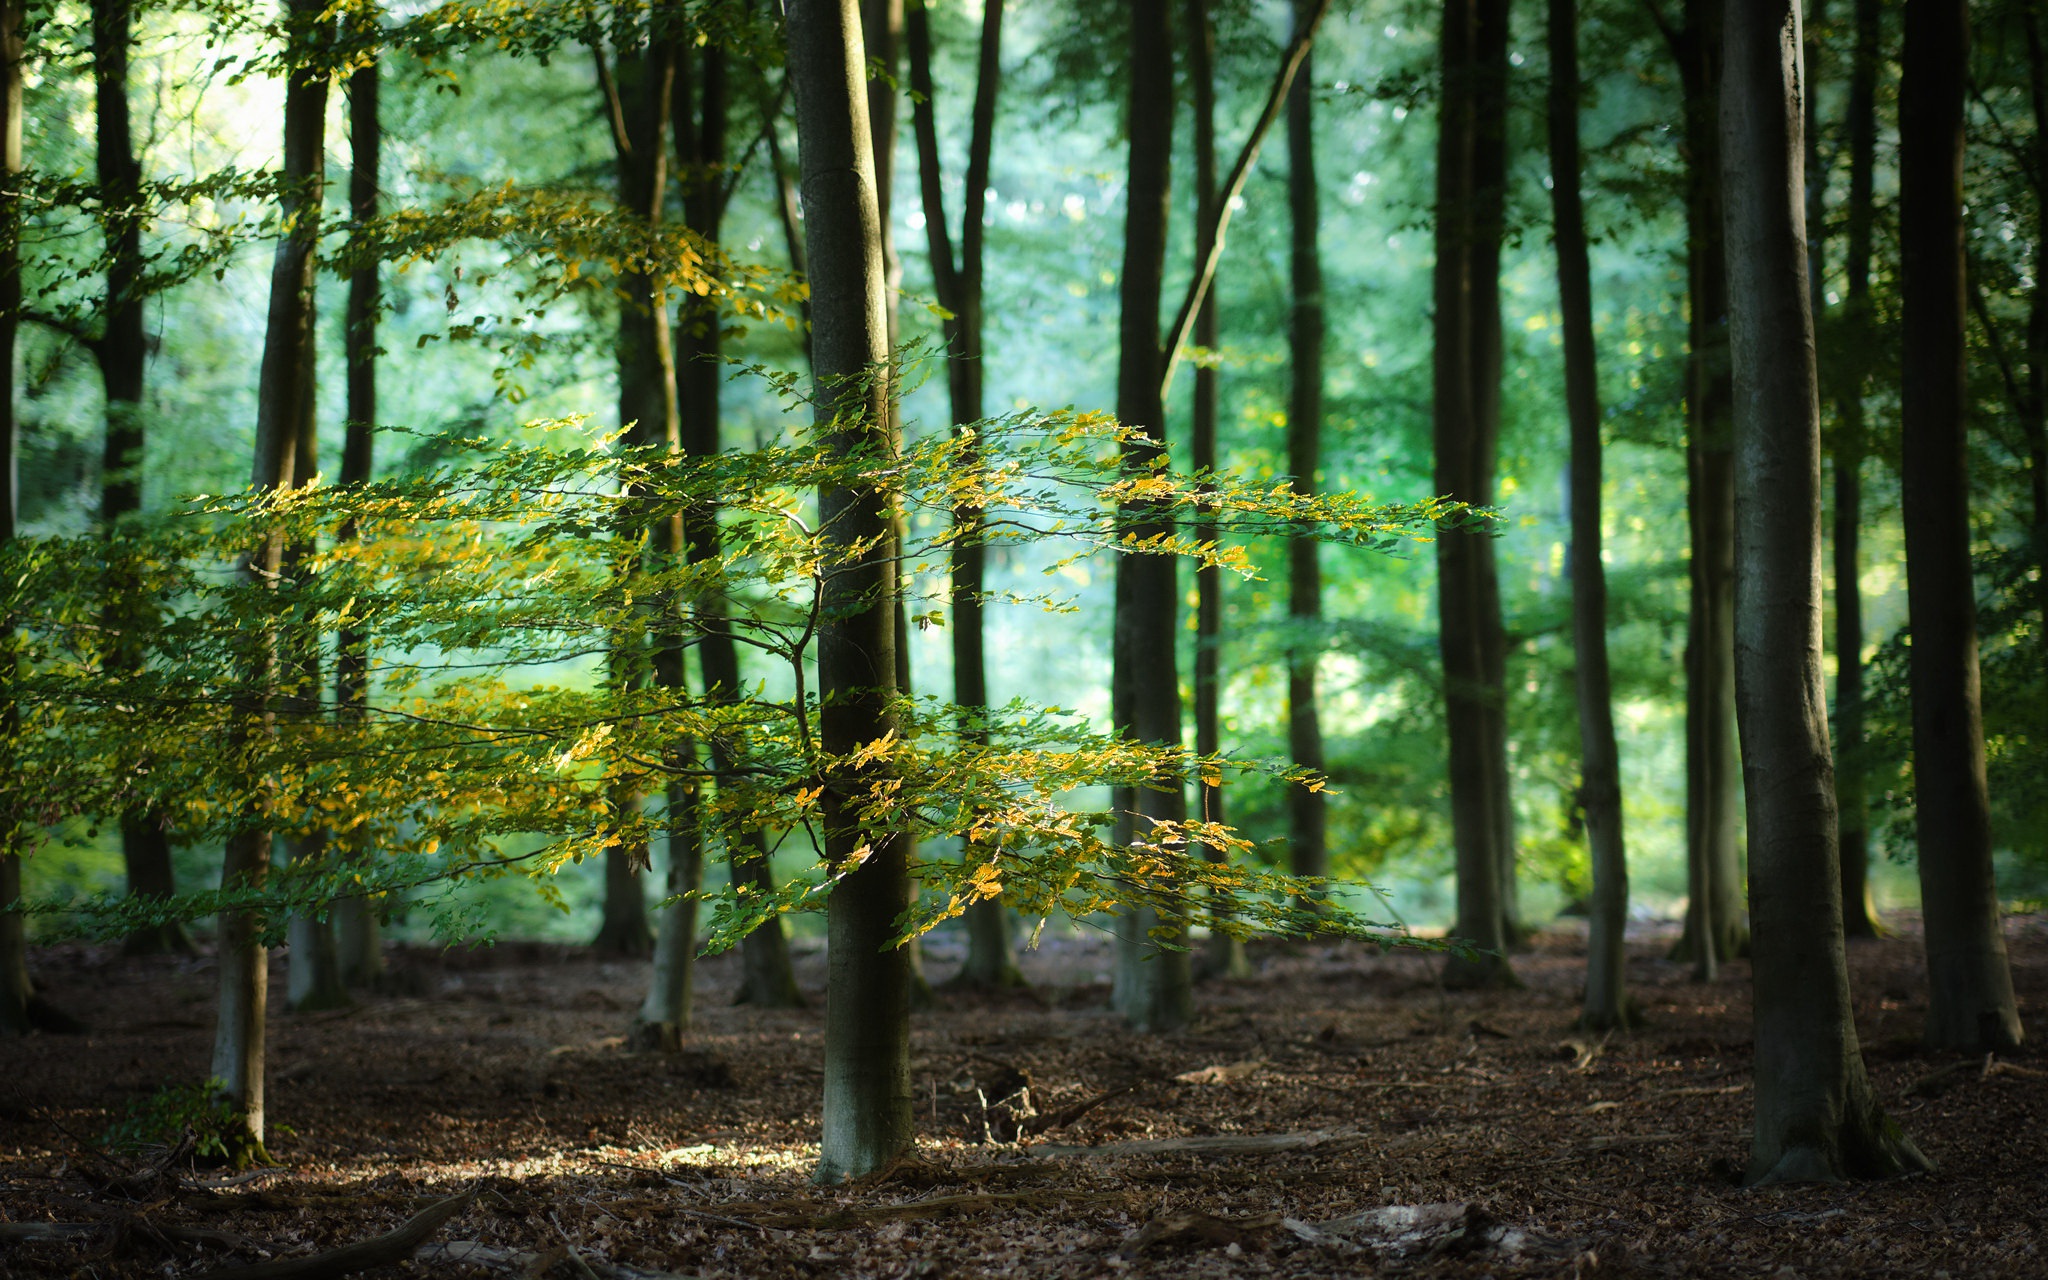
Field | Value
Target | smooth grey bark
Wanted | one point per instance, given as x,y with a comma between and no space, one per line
1970,999
1470,183
1713,921
1859,913
2034,404
1154,984
1307,813
991,945
283,389
358,921
1606,1002
638,85
1816,1115
1225,954
867,1104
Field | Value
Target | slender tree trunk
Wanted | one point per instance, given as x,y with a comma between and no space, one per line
991,946
665,1014
1225,955
1859,912
867,1107
17,992
640,85
882,30
122,353
357,921
312,958
1970,998
1713,921
284,387
1307,819
1470,188
1816,1116
1606,1003
2034,408
1154,984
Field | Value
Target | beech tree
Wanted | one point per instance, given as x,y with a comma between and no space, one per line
1817,1117
867,1109
1851,446
1606,1003
1153,983
1308,819
1470,190
1970,999
284,390
1714,873
957,281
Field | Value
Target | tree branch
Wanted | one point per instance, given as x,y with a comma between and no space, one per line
1205,270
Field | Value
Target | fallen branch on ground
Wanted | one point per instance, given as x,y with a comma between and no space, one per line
381,1251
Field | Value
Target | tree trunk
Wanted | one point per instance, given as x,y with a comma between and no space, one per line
357,921
1859,913
284,387
16,991
312,958
641,84
1816,1115
121,352
1466,417
1307,818
1154,984
867,1106
1970,999
991,946
2034,407
1606,1004
1713,919
1224,956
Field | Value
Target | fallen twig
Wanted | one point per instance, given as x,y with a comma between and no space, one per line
1221,1144
381,1251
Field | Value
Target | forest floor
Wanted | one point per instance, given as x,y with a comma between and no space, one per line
1270,1138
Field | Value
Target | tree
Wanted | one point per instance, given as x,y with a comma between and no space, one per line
122,351
1308,819
638,85
1713,913
1859,918
957,282
17,992
1470,190
1606,1003
1153,983
867,1111
284,390
356,925
1225,956
1817,1117
1970,1001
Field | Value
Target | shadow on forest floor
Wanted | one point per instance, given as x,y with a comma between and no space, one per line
1269,1138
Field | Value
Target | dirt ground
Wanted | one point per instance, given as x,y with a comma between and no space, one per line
505,1074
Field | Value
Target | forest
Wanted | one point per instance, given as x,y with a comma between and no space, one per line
984,637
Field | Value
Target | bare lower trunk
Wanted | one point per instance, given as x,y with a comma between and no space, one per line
867,1106
1714,929
1466,416
1606,1003
1153,983
357,921
1307,813
1970,998
283,402
1816,1115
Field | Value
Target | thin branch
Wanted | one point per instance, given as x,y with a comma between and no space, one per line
614,109
1205,270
